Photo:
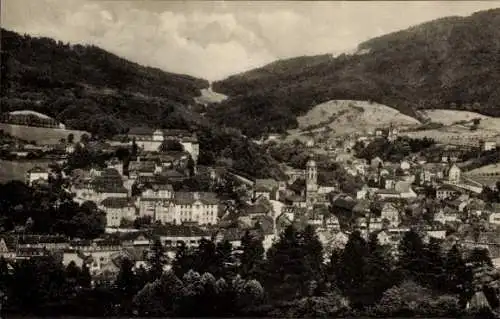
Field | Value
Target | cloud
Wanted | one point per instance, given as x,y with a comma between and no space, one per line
216,39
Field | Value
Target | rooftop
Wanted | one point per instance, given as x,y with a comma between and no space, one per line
189,198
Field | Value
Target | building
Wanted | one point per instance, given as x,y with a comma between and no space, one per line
36,174
311,181
150,140
453,173
446,191
488,145
117,208
266,188
195,207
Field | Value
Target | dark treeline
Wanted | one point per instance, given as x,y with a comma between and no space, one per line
290,280
393,151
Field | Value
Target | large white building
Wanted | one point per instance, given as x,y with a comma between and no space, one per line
150,140
169,207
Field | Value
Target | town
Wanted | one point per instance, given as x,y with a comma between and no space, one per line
148,186
273,160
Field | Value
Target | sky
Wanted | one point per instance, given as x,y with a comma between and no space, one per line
215,39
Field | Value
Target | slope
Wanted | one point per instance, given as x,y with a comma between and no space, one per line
451,63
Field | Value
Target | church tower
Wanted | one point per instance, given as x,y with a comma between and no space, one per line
312,177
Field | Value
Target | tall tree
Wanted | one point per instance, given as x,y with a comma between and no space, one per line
183,261
285,265
126,281
157,259
458,276
411,250
351,272
378,272
252,256
313,254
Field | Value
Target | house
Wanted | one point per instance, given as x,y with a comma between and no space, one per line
331,222
446,191
445,215
36,174
137,169
266,188
195,207
376,162
488,145
494,217
387,193
384,238
116,209
453,173
390,213
405,165
174,235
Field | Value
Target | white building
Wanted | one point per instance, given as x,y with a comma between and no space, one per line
36,174
117,208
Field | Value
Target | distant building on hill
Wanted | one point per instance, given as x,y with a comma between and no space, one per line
30,118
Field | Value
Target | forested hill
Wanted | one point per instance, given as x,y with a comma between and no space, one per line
447,63
89,88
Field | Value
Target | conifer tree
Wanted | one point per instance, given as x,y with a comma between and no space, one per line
252,256
411,250
351,274
285,265
183,261
157,260
379,273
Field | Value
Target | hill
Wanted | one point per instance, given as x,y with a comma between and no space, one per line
88,88
449,63
345,116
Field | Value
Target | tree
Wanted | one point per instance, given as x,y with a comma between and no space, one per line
84,139
126,282
191,166
411,250
459,277
134,149
379,273
183,261
351,275
252,256
160,297
157,260
313,255
433,266
285,266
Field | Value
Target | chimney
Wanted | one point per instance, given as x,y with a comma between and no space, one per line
196,195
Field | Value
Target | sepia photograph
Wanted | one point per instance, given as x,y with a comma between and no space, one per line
253,159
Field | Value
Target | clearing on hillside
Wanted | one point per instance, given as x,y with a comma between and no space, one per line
345,116
448,117
41,135
208,96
